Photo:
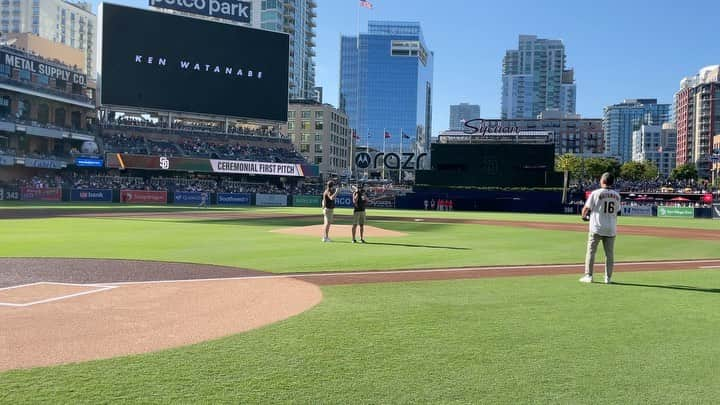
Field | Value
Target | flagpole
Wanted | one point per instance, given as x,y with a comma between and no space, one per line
351,158
383,166
367,149
400,161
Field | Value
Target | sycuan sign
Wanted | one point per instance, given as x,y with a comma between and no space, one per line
229,10
484,127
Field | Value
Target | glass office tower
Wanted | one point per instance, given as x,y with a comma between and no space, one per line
386,85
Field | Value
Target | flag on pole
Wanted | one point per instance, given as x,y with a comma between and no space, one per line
387,135
355,135
366,4
405,136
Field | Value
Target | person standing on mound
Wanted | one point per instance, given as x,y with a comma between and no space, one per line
328,206
360,201
601,210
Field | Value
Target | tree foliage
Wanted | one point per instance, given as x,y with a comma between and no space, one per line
635,171
688,171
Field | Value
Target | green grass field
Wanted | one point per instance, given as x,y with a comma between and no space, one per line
651,338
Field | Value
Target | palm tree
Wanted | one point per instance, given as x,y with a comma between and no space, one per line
566,163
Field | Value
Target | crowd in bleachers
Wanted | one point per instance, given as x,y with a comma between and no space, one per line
121,142
190,127
651,186
197,147
75,180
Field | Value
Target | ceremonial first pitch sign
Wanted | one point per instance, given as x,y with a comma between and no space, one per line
260,168
128,161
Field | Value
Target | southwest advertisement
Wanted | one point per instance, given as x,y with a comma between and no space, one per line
234,198
155,60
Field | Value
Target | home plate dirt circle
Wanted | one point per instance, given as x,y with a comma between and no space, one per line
56,311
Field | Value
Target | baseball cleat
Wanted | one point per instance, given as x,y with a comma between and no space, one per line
586,279
608,280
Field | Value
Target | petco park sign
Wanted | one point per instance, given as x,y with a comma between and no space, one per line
226,9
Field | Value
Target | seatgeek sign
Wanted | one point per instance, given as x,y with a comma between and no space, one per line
233,10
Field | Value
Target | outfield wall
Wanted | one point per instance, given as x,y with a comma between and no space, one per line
462,200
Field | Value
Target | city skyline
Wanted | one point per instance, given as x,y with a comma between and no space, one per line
604,45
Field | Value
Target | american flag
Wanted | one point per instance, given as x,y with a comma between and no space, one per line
355,135
366,4
387,134
406,136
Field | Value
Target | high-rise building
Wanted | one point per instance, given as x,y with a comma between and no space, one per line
620,120
386,84
62,21
697,115
462,112
571,133
297,18
535,79
321,134
656,144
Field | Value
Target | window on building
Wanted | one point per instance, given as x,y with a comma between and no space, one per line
318,137
24,75
305,114
318,125
291,115
318,160
60,117
5,102
24,109
305,125
318,114
43,114
304,148
305,138
318,148
291,125
76,120
42,79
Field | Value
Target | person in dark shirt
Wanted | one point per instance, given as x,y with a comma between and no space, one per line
328,205
360,201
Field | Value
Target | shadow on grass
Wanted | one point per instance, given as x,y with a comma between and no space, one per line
671,287
417,246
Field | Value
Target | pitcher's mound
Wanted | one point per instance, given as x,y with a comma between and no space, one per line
339,231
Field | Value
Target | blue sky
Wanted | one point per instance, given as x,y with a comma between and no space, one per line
619,49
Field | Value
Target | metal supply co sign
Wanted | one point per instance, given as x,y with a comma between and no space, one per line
234,10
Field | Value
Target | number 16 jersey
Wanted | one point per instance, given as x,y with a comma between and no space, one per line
604,205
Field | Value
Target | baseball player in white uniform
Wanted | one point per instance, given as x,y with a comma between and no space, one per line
601,209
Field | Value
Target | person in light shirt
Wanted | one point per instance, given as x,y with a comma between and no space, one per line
601,210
